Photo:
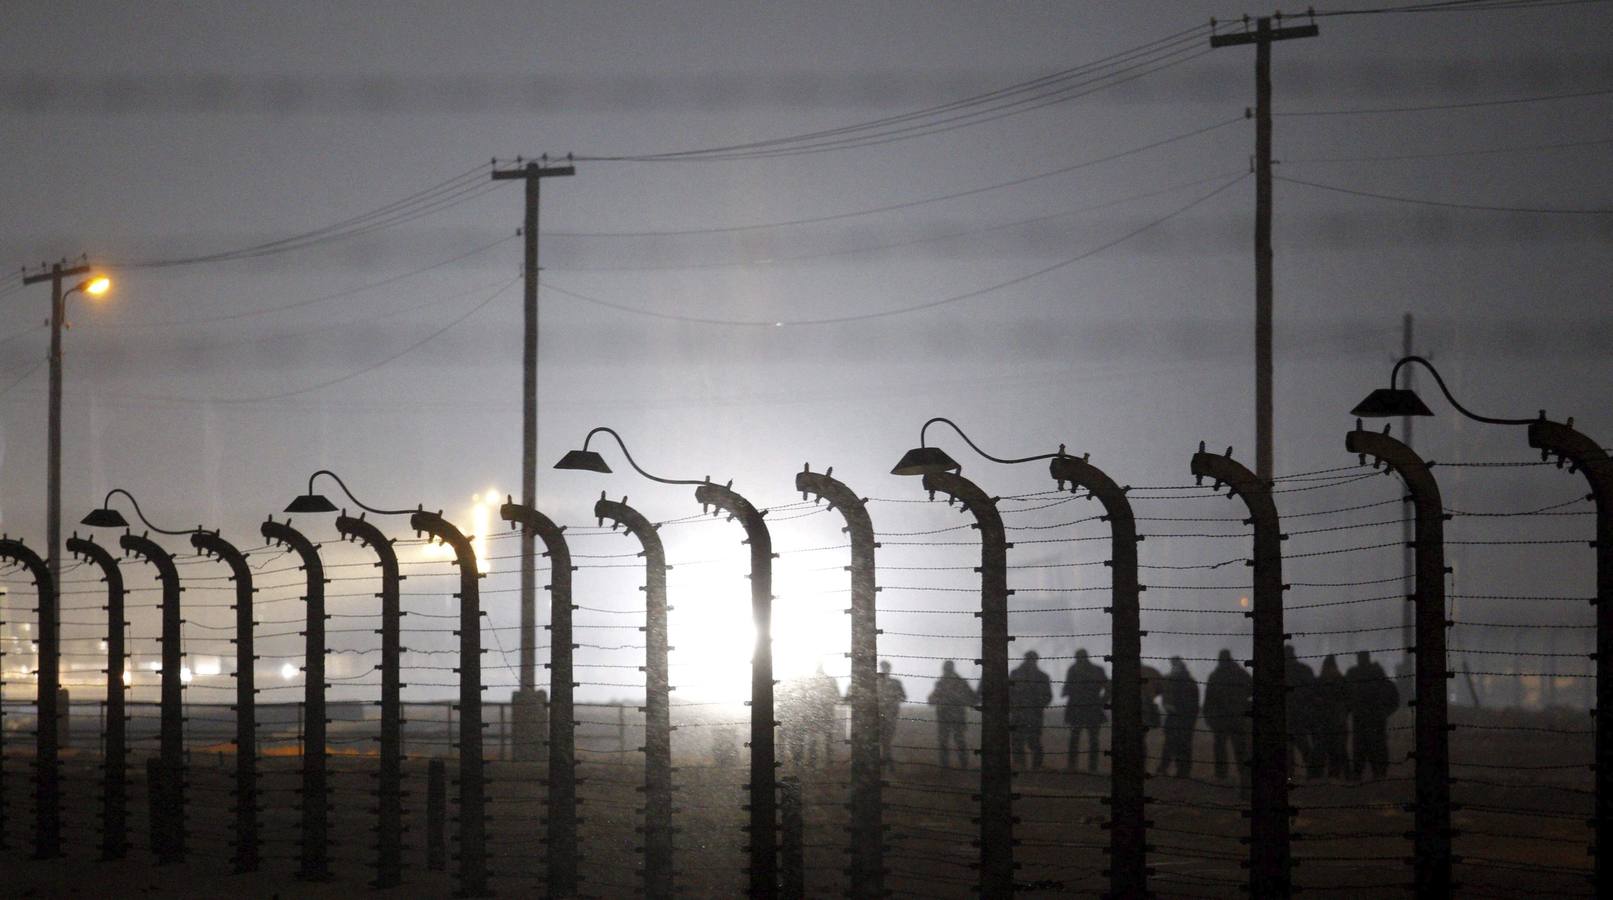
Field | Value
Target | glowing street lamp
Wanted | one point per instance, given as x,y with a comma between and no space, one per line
95,285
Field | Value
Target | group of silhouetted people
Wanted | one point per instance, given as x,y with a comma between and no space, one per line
1337,720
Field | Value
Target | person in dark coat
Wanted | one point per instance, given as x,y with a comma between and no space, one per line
1151,681
891,697
1227,695
952,698
1373,699
1301,711
1086,690
1030,692
1332,711
1181,697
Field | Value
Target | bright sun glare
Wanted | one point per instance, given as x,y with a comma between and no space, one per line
713,630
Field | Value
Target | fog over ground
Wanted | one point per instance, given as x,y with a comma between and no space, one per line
1108,307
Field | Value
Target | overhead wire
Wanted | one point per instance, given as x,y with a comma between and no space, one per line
324,298
1450,154
932,304
879,129
1431,107
910,204
1420,201
1449,6
350,375
439,196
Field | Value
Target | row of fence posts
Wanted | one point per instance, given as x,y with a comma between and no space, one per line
773,804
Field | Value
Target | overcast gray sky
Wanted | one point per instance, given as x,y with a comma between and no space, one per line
158,130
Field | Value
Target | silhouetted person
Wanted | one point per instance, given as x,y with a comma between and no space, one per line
1227,696
1301,709
952,698
1030,692
1373,698
1332,710
1150,681
891,697
1086,689
822,698
1181,696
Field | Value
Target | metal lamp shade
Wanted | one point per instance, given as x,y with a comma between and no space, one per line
311,503
105,517
924,461
1388,402
586,460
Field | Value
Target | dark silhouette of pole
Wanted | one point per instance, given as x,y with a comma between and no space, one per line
53,453
525,701
1431,831
246,702
169,793
1128,822
389,770
1407,624
436,815
792,868
1270,859
315,791
996,774
763,827
658,829
4,816
1587,456
867,802
561,835
47,757
1262,37
472,801
115,758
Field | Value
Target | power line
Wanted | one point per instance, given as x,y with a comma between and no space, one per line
992,100
728,229
451,192
230,317
23,333
1445,204
981,118
1471,104
870,248
1448,6
350,375
932,304
23,377
1450,154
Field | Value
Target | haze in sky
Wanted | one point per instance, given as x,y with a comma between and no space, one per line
1076,269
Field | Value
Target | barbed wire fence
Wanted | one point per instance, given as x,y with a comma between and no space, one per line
1518,667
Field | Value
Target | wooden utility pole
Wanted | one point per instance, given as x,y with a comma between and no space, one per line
1262,37
525,700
